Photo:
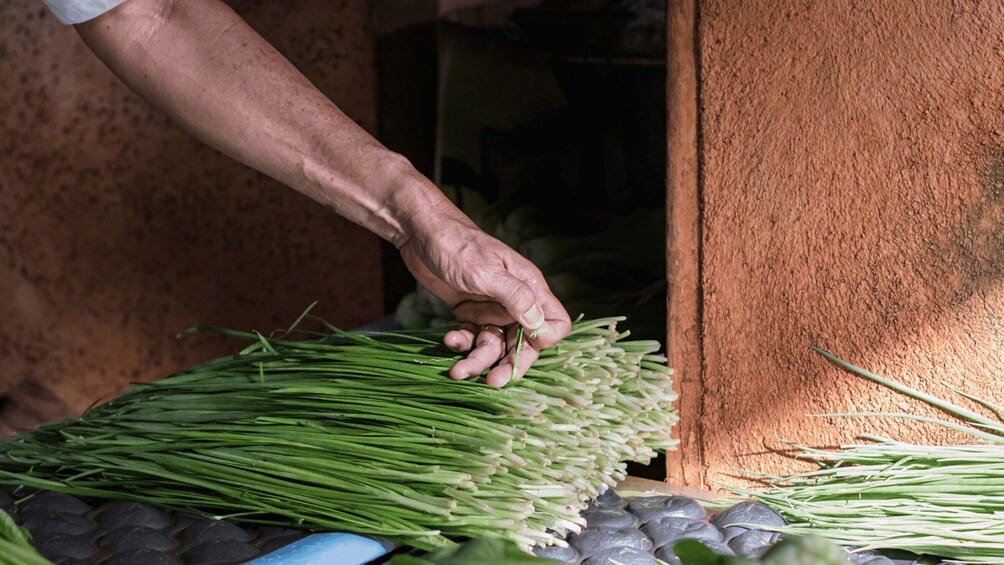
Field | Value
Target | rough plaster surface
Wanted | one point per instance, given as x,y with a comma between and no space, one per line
117,229
852,162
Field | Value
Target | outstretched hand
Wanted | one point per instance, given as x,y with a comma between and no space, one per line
210,71
492,290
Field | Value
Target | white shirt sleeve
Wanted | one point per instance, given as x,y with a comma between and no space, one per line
79,11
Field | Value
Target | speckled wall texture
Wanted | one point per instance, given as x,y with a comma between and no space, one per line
117,229
852,196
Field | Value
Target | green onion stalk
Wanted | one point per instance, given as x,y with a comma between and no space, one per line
943,500
366,433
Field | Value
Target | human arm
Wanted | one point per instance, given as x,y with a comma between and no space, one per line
203,65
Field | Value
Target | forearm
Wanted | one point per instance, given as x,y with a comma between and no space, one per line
202,64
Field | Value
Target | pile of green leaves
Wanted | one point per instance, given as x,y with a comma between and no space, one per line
367,434
944,500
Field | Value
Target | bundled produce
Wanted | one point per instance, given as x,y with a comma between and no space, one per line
366,434
944,500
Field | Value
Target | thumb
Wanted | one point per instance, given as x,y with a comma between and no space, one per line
517,298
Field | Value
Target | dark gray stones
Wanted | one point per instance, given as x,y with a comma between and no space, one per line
670,529
273,532
565,555
609,499
135,538
667,554
720,548
42,523
219,552
594,540
272,538
143,557
610,517
742,517
653,507
56,546
6,503
48,502
753,543
122,514
622,556
268,546
202,531
68,530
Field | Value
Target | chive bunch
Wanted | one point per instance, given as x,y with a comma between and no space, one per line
944,500
367,434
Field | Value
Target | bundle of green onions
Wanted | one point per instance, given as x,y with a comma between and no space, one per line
943,500
365,433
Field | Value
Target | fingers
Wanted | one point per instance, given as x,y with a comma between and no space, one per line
460,340
503,373
518,299
483,313
554,322
557,326
489,348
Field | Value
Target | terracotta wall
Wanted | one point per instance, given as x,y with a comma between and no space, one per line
117,229
844,181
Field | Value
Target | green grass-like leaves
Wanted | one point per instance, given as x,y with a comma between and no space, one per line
944,500
367,434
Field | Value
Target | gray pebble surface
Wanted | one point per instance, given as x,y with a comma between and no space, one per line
72,531
729,520
670,529
595,540
565,555
610,517
68,530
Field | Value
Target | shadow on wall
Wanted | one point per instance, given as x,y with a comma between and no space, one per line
117,229
852,192
976,251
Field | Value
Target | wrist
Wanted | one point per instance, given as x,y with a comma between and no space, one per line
419,209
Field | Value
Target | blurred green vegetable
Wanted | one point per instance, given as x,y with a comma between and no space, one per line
802,550
14,546
483,551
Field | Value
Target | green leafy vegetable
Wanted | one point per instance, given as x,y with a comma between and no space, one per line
14,546
944,500
367,434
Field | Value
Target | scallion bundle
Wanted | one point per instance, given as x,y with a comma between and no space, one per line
365,433
944,500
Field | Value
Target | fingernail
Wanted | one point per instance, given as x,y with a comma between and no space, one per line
545,333
533,318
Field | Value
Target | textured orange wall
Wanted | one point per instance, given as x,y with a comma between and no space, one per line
851,196
117,229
